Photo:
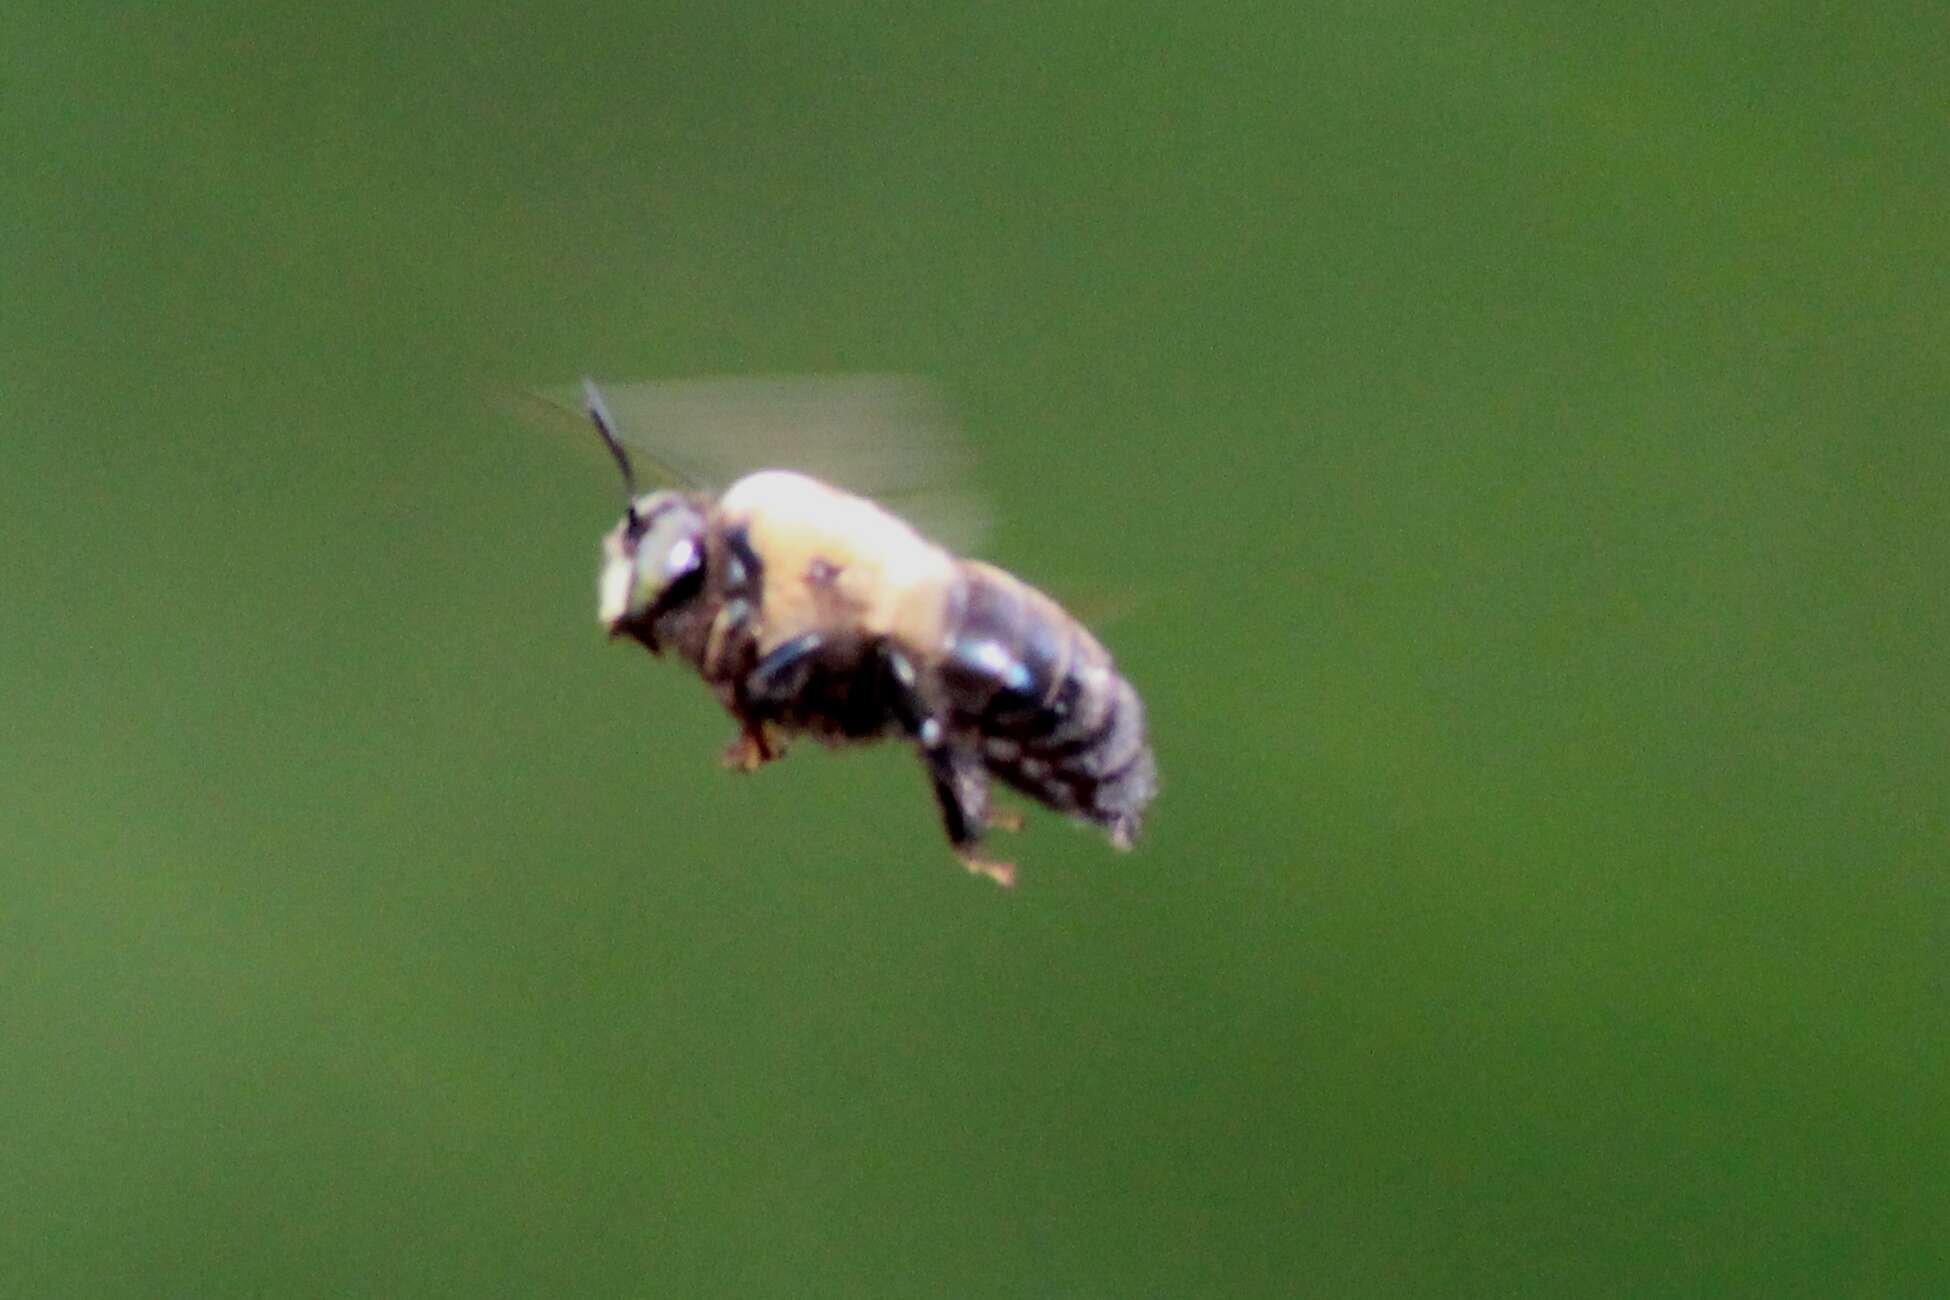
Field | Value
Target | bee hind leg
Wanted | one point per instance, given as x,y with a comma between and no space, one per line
961,786
1003,819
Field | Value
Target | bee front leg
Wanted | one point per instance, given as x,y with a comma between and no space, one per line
735,617
728,640
756,744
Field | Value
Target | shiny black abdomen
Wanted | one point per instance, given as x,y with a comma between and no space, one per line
1041,698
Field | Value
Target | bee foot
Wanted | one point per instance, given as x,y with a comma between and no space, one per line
749,752
1003,819
1002,873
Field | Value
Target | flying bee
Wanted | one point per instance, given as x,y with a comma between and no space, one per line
809,610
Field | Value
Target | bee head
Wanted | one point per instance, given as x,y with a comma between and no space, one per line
653,561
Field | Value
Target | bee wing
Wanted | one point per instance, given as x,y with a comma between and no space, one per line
563,411
885,436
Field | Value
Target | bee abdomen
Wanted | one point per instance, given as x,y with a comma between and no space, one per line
1103,771
1056,720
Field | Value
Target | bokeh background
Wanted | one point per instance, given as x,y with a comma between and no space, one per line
1521,430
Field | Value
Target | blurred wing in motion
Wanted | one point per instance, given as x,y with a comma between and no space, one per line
887,437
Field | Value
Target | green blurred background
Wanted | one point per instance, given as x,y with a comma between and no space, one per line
1525,427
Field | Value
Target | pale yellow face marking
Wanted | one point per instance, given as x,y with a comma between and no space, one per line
885,579
613,588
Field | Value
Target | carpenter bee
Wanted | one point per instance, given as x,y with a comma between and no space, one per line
809,610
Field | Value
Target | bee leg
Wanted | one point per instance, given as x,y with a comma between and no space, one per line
762,694
902,684
756,745
1002,873
734,617
1004,819
781,675
964,796
961,786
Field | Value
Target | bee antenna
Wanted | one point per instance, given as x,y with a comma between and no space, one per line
599,414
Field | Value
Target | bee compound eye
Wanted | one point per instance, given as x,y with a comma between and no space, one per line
682,557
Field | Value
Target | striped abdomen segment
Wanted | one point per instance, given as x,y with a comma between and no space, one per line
1052,716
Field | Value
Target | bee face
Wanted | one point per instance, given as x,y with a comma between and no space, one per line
650,560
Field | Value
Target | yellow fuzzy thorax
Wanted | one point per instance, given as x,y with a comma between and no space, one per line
835,561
